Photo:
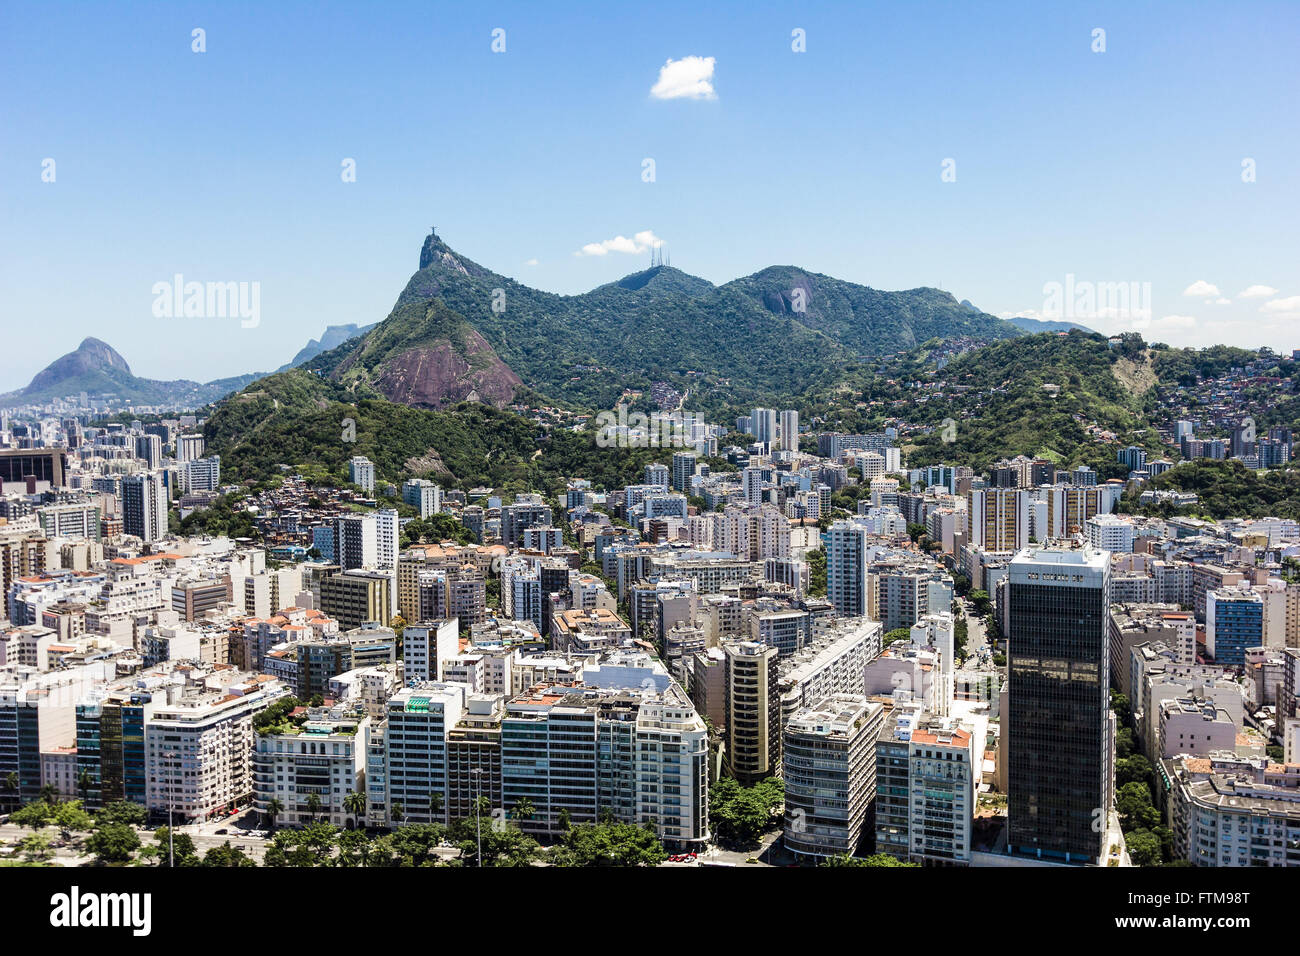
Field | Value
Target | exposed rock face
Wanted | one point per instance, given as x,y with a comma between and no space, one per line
437,374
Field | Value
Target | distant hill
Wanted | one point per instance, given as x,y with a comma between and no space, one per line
332,337
460,331
98,370
1034,326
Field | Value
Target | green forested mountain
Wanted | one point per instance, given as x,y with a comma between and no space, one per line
1228,489
459,330
299,418
1040,395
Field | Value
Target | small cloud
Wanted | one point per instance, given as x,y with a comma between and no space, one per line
531,262
1174,322
1219,301
1287,308
1023,314
691,78
643,241
1202,288
1257,292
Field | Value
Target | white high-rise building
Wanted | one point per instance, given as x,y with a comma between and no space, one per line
189,447
752,483
387,530
1108,532
201,474
199,751
423,495
361,472
764,423
790,430
829,766
684,464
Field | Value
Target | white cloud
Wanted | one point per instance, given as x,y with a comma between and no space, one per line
691,77
1219,301
1257,292
643,241
1202,288
531,262
1289,307
1174,322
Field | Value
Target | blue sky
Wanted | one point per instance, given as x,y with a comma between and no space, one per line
1115,166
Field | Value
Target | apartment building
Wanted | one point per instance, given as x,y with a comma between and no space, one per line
324,755
828,762
198,749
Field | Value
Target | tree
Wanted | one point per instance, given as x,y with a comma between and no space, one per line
313,805
354,848
1125,744
1119,703
1143,847
502,845
1134,805
609,844
355,804
11,788
227,856
738,815
319,838
435,803
524,809
70,818
122,811
50,794
1134,769
36,848
85,780
36,814
113,843
273,810
182,847
896,635
398,813
980,599
879,859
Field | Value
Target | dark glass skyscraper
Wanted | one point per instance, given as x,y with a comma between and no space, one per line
1058,725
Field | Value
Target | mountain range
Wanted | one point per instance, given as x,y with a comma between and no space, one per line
461,332
95,368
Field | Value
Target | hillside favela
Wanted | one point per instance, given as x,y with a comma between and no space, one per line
571,557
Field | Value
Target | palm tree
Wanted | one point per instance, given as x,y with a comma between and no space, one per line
313,805
524,809
11,789
273,810
355,804
50,794
397,813
435,803
85,780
